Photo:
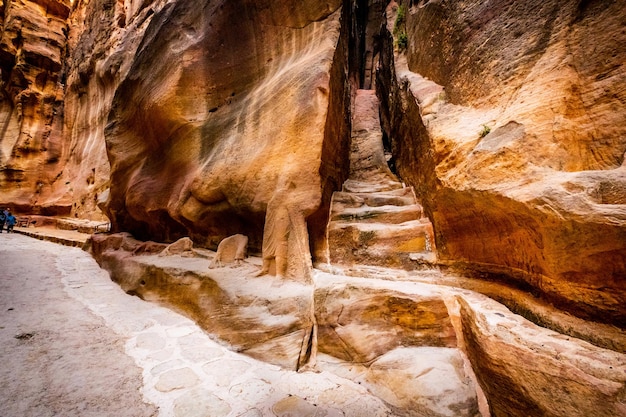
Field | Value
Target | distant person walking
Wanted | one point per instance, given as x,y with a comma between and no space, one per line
10,221
3,219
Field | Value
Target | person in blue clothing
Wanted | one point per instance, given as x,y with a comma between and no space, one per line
10,221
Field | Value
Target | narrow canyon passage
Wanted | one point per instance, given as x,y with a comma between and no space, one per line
376,219
481,272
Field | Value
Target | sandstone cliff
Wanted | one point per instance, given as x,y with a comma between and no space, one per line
508,118
32,147
231,139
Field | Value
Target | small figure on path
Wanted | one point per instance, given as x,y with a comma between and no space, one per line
10,221
3,218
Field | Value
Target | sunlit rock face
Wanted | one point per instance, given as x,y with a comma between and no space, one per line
221,121
509,118
32,47
213,111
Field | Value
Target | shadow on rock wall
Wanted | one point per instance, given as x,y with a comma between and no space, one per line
219,127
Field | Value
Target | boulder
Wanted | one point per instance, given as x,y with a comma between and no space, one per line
231,249
179,247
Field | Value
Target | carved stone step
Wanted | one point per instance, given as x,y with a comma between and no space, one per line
398,197
383,214
403,245
375,220
383,184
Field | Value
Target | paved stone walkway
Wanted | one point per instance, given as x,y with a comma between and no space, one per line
184,372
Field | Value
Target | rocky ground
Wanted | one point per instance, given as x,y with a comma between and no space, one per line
74,344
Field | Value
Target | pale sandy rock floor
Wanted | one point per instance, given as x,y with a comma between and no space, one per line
72,343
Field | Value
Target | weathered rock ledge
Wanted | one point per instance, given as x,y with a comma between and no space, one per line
424,349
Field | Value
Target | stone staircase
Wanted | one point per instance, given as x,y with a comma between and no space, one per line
376,220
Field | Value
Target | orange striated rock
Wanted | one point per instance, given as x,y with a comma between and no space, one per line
207,120
102,43
256,79
527,370
424,349
361,323
32,48
231,138
513,143
508,118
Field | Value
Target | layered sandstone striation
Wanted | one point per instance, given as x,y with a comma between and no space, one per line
509,119
512,138
232,139
504,126
239,129
32,47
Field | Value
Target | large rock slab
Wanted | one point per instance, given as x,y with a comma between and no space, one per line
261,316
528,370
398,340
178,118
359,320
415,381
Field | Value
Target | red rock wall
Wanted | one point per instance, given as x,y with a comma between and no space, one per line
32,49
222,118
183,119
541,196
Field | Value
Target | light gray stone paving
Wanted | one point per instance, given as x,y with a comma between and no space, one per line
186,373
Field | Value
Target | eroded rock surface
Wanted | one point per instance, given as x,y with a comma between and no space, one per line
179,118
358,322
238,136
231,249
424,349
527,370
513,143
512,138
248,313
32,48
230,140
